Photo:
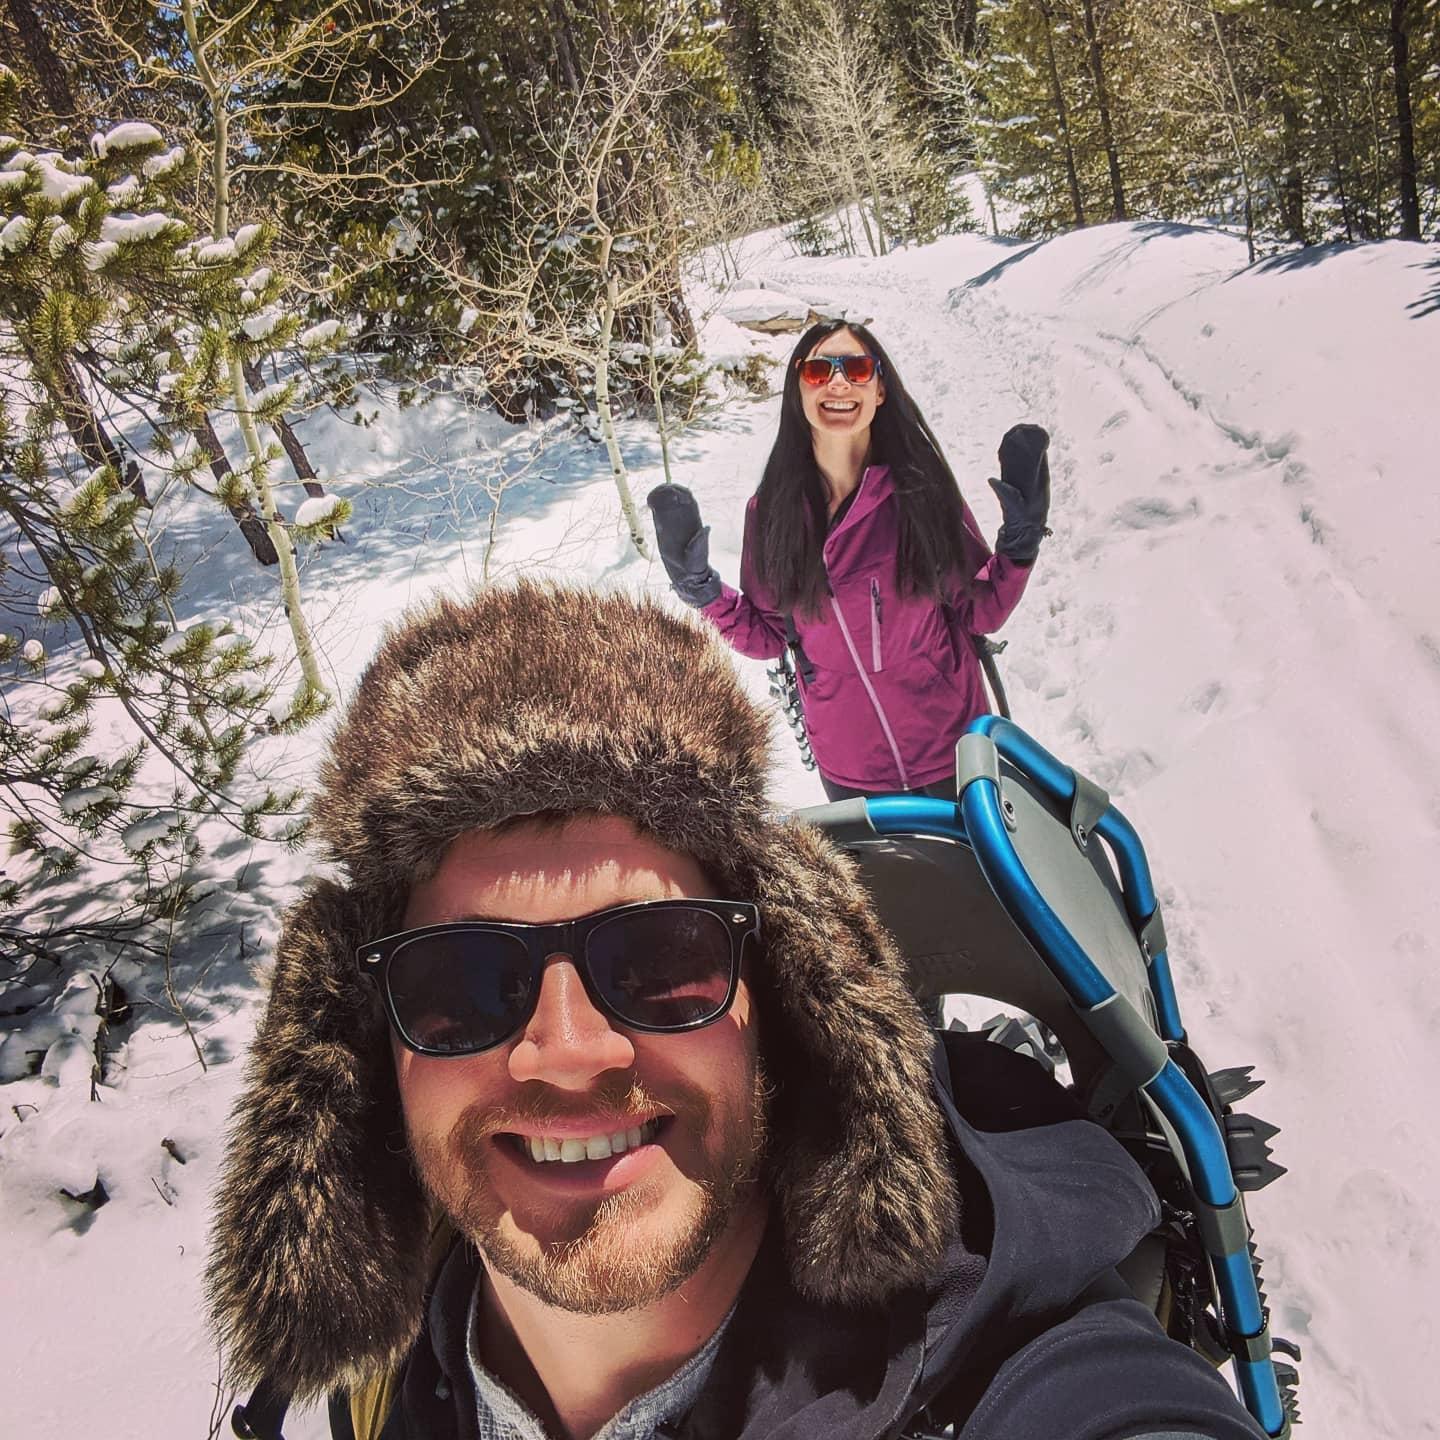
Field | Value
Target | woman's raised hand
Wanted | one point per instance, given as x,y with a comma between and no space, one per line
684,544
1023,490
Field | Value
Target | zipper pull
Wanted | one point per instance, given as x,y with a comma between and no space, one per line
875,596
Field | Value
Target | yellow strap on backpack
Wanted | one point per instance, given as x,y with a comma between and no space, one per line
370,1405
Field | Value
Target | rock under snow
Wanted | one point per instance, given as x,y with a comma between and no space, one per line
69,1061
767,311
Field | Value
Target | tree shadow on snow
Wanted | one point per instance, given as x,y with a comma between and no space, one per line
997,272
1142,232
187,980
1429,302
1302,259
1310,255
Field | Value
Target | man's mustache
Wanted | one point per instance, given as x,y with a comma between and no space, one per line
530,1111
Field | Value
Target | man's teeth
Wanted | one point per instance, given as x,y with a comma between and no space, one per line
597,1147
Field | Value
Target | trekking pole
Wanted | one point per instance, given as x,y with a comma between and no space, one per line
785,687
987,649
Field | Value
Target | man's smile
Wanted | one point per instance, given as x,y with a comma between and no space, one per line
570,1148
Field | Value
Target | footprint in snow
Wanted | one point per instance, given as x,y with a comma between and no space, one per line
1205,699
1120,417
1154,513
1395,1223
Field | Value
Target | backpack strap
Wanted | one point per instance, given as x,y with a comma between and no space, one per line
371,1404
803,666
262,1415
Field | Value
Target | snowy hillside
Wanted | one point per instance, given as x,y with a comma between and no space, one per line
1235,628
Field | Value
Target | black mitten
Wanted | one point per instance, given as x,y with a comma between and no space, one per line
684,544
1023,490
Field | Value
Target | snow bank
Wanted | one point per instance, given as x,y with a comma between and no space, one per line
1232,628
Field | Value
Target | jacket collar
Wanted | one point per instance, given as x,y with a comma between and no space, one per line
874,489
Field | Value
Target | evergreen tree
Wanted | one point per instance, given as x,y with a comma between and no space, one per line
103,289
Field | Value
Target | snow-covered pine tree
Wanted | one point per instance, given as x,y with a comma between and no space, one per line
103,292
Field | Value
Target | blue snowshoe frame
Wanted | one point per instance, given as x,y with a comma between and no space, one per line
1002,773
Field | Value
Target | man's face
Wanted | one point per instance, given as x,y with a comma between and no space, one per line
592,1235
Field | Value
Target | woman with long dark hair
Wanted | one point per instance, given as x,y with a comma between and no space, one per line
859,546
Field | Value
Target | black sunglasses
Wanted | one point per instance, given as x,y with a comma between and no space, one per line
857,369
658,966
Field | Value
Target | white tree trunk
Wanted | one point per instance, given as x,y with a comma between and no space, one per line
618,471
312,687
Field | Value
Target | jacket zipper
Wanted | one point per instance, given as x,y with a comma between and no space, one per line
870,691
876,664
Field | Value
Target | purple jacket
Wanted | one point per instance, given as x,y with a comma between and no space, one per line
896,679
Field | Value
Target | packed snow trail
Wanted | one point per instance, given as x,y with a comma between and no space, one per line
1247,681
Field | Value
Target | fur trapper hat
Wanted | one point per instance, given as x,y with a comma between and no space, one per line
550,699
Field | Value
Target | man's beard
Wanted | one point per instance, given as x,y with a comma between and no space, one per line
589,1261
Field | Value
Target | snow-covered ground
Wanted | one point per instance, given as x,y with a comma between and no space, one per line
1235,629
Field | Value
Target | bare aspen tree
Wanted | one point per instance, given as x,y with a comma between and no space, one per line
597,216
1194,68
1399,36
220,93
849,144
